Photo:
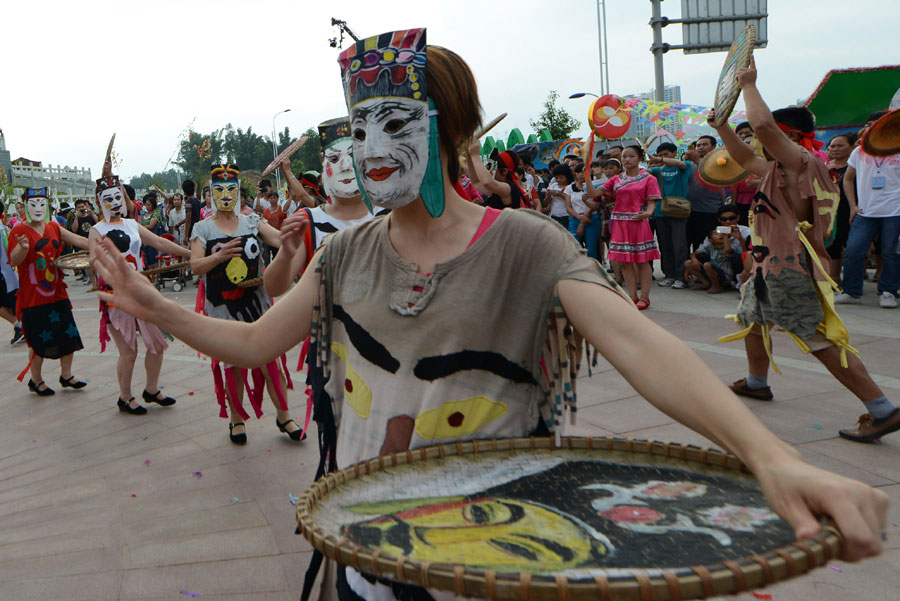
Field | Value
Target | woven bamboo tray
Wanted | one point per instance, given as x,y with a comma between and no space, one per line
641,583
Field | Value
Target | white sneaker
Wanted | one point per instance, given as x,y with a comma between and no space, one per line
666,282
842,298
679,285
888,301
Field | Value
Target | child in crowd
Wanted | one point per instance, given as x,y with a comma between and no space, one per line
713,261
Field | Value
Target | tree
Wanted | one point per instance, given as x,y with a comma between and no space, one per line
307,156
189,154
554,119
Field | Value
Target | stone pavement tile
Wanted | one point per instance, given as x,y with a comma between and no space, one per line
82,561
68,488
100,586
156,433
295,565
880,356
625,415
121,460
235,516
583,428
106,537
844,469
213,546
59,525
876,579
238,577
816,417
796,383
171,503
273,596
881,458
602,388
283,522
673,432
162,477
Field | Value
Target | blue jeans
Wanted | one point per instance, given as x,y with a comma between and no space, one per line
862,231
591,237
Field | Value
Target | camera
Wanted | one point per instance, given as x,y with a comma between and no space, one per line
723,229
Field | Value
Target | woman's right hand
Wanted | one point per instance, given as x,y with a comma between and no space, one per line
292,232
229,250
22,242
132,292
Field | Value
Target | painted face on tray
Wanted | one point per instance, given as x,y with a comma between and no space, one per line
390,148
338,174
502,533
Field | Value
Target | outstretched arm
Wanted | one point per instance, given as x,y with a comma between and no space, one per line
148,238
291,259
674,379
73,239
738,150
482,179
247,345
295,191
763,123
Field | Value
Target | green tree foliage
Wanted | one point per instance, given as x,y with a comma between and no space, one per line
189,159
307,156
167,180
555,119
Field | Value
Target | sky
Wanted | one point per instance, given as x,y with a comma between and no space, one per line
75,72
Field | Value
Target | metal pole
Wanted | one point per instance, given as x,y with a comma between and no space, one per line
657,48
605,49
600,38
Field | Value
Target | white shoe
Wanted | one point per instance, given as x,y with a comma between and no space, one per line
888,301
679,285
666,282
842,298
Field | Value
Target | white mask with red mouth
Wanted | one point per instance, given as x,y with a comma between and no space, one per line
338,176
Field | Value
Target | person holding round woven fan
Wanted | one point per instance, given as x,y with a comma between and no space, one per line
450,321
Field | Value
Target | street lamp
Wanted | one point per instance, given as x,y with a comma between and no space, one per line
581,95
275,151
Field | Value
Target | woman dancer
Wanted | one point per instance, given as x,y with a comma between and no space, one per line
128,237
838,150
42,303
630,238
225,250
399,347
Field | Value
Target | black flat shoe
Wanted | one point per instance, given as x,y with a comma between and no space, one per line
36,388
125,407
166,401
68,383
237,438
297,434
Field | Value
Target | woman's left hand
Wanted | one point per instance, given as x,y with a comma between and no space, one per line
801,493
644,215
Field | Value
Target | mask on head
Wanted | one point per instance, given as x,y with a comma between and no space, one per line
225,185
111,197
36,201
393,123
338,174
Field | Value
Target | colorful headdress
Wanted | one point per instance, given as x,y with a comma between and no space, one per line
382,67
221,178
333,130
105,183
224,173
37,194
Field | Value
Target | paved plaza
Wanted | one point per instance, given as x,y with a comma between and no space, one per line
100,505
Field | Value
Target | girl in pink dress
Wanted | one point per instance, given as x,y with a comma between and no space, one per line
631,242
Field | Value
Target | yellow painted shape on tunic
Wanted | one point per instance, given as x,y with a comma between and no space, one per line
356,391
236,270
458,418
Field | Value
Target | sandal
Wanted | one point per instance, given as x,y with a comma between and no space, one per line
36,388
68,383
642,303
237,438
296,435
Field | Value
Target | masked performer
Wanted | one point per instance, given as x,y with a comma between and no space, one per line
128,236
42,304
225,250
408,351
790,287
345,207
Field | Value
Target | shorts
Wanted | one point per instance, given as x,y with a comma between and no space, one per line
7,299
789,302
50,329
